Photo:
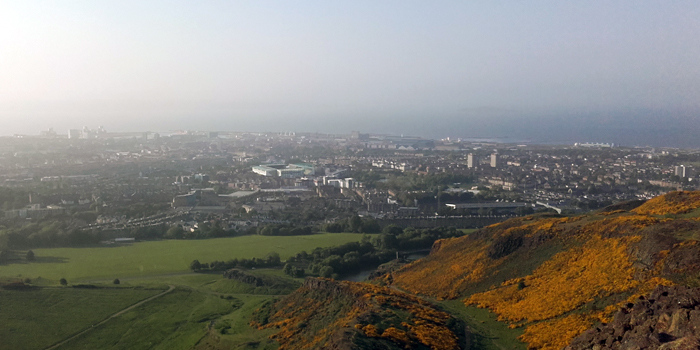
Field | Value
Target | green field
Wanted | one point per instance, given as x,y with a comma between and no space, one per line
204,311
153,258
37,318
177,320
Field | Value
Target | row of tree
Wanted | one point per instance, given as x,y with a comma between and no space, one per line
354,224
271,260
343,259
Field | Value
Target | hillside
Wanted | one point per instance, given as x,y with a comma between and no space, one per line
328,314
557,276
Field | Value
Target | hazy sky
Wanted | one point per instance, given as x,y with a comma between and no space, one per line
459,68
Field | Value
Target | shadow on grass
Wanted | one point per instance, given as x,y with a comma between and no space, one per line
103,245
37,260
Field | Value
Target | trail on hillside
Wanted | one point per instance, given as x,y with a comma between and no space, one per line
117,314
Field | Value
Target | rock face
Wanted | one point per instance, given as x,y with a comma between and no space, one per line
240,276
668,319
342,315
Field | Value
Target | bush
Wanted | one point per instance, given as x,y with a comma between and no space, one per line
116,281
63,282
326,272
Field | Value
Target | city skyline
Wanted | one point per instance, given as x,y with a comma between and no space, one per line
546,72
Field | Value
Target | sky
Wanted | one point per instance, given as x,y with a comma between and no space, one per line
544,71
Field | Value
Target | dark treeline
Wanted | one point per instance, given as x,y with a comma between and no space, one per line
271,260
286,230
45,234
344,259
12,199
341,260
354,224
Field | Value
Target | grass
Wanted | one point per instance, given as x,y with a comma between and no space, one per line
176,321
486,332
38,318
205,311
144,259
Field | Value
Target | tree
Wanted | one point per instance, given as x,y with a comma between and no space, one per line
175,232
355,224
371,226
116,281
63,282
195,265
273,259
287,269
326,271
30,256
392,230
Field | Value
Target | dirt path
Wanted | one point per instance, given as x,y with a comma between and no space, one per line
119,313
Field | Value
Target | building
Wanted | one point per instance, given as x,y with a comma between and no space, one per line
34,211
199,197
683,171
290,173
74,134
264,170
309,169
470,161
494,160
340,183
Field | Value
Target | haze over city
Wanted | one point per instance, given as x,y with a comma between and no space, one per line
545,72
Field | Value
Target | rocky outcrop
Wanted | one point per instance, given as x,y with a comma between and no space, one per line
240,276
625,206
387,268
668,319
343,315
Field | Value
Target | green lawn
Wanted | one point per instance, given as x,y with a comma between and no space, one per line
38,318
177,320
154,258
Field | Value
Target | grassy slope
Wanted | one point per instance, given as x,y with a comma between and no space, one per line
177,320
234,331
205,308
486,332
37,318
161,257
